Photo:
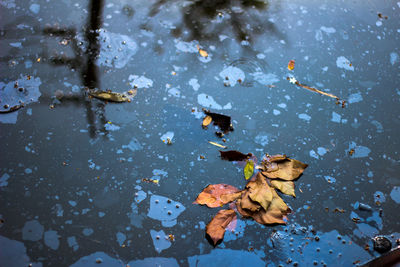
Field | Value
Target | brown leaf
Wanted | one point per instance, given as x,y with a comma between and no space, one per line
286,187
288,169
226,198
233,155
207,120
217,195
222,121
243,211
216,228
276,213
247,204
259,191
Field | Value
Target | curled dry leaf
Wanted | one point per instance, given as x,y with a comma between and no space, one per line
262,203
233,155
259,191
285,168
207,120
286,187
276,213
217,195
216,228
222,121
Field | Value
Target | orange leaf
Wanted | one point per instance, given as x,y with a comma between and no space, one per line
217,195
216,228
207,120
290,65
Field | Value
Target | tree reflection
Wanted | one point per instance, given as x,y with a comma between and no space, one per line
85,62
206,19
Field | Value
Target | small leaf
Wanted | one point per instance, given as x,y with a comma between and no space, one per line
286,187
216,144
217,195
248,169
216,228
207,120
290,65
202,52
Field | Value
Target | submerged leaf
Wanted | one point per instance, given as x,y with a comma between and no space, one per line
216,144
217,195
233,155
113,96
286,187
206,121
248,169
287,169
216,228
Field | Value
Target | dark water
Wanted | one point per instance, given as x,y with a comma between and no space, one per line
71,167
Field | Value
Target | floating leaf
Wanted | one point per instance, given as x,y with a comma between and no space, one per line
290,65
202,52
276,213
222,121
259,191
207,120
113,96
248,169
216,144
233,155
217,195
262,203
286,187
216,228
287,169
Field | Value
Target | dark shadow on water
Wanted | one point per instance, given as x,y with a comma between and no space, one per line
207,19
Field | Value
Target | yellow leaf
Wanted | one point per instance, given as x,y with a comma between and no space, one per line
207,120
216,144
202,52
248,169
290,65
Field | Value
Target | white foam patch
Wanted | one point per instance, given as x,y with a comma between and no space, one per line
344,63
116,49
140,81
209,102
194,83
265,78
187,47
232,74
394,58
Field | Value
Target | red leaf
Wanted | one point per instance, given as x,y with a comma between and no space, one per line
216,228
217,195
